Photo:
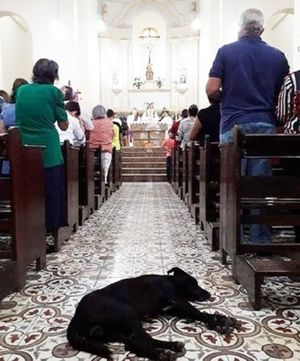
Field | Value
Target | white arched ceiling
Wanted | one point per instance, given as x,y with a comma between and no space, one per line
163,7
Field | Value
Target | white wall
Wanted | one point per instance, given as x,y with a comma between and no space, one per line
296,42
16,51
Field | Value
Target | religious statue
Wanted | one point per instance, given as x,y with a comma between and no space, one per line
149,72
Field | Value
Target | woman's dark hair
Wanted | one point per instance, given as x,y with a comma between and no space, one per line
17,83
110,113
73,107
4,94
193,110
184,113
45,71
68,91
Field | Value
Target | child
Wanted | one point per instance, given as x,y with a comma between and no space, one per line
168,145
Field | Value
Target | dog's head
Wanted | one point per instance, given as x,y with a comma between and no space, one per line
187,285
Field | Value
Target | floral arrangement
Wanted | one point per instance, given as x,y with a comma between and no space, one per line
159,82
138,82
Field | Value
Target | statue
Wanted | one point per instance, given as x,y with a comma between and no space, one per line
149,72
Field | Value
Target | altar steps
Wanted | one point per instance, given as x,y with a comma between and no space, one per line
143,165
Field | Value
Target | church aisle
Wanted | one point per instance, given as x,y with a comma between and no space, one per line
145,228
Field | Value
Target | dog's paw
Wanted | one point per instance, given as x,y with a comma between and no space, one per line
105,353
224,324
167,355
179,347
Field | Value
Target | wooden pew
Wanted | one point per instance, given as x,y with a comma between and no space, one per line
193,181
22,211
174,169
185,174
86,183
98,179
179,171
109,186
116,169
275,196
70,155
209,191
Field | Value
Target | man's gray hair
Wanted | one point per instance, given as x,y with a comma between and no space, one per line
252,22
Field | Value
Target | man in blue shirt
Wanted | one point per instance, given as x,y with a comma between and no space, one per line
247,75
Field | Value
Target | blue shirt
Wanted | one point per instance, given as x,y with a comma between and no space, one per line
251,73
8,115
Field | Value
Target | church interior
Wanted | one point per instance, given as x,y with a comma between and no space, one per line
139,64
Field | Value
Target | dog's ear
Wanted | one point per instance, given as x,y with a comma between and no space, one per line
176,271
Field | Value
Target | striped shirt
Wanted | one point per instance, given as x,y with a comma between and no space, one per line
285,106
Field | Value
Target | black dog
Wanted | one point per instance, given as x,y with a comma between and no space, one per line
115,314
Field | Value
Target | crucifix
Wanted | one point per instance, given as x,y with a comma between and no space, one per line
149,37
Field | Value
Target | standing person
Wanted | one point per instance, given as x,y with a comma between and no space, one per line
169,145
166,119
185,126
176,122
207,123
287,113
116,143
150,115
132,119
38,106
247,76
102,135
124,131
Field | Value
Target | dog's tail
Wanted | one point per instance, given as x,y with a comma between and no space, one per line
86,343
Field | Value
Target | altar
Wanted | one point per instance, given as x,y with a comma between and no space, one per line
148,135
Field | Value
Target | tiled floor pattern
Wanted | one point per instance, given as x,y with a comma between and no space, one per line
145,228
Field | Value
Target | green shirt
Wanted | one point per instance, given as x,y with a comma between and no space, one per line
38,107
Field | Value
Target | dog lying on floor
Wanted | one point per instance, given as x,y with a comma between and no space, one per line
115,314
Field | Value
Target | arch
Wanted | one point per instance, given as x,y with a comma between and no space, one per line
165,8
278,28
16,50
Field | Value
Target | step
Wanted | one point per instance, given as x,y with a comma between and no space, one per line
143,159
140,149
143,164
143,154
144,178
152,170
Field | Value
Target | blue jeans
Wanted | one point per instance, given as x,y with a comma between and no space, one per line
259,233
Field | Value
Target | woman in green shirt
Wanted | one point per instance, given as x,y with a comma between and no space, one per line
38,106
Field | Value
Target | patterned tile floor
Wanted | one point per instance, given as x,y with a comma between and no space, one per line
145,228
